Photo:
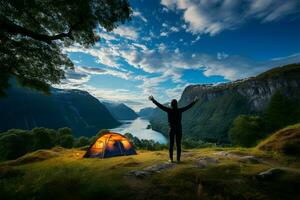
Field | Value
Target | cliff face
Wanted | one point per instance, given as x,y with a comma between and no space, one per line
257,92
219,105
26,109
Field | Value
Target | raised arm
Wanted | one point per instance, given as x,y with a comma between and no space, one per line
185,108
164,108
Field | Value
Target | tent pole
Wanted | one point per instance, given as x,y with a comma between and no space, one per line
104,149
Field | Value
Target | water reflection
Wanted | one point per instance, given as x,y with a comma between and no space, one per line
138,128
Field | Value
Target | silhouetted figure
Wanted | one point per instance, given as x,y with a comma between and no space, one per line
174,119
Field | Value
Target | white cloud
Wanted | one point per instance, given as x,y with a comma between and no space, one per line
142,46
139,14
176,92
163,34
104,55
212,17
174,29
83,74
159,64
162,47
222,55
164,9
107,36
196,39
173,63
127,32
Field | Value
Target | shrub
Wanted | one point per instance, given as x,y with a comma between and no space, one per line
10,147
15,142
247,130
66,141
190,143
150,145
280,112
65,138
64,131
82,141
42,138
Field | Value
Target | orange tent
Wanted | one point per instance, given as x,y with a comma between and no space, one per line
109,145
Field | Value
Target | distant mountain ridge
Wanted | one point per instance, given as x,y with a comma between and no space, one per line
25,109
120,111
211,118
146,112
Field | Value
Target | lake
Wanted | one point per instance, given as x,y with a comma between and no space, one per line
138,128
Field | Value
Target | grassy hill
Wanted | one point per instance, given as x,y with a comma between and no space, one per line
212,173
285,141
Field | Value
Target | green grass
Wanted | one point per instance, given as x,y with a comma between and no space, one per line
285,141
64,174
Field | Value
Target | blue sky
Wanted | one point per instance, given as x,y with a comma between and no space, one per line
170,44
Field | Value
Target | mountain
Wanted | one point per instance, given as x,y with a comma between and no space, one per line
218,105
146,112
120,111
25,109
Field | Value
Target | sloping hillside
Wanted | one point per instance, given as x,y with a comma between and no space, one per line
120,111
146,112
211,118
285,141
25,109
207,174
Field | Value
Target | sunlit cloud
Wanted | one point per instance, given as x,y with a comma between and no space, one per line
213,17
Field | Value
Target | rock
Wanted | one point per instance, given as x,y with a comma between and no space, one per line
270,173
249,159
139,173
160,166
221,153
245,159
157,168
205,162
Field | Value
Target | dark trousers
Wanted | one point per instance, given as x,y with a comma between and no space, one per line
175,133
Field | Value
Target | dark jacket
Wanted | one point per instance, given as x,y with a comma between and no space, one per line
174,114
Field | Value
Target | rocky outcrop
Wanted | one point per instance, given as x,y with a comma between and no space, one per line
157,168
257,92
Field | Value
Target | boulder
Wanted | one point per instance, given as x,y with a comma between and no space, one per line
249,159
205,162
270,173
157,168
139,173
160,166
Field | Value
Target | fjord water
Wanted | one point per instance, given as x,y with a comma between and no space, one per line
138,128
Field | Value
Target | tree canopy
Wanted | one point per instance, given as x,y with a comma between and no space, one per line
247,130
34,32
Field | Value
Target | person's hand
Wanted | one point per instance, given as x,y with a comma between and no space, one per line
196,99
151,98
